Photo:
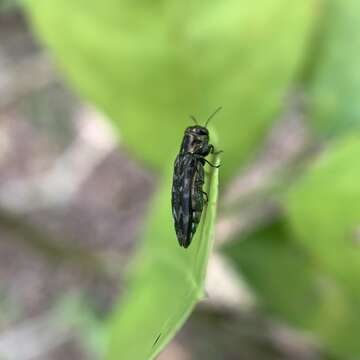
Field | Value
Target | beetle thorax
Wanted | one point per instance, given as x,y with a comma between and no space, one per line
195,141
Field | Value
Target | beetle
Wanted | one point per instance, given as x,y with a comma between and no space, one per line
187,196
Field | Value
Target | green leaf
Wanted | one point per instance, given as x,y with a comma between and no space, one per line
334,87
167,280
324,213
148,64
280,272
324,208
292,287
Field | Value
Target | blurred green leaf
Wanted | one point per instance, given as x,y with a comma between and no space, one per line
166,283
148,64
280,272
324,213
292,287
324,208
334,87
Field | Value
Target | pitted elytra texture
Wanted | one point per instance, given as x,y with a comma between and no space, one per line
187,191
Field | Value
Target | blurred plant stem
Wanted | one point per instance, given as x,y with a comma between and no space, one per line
253,198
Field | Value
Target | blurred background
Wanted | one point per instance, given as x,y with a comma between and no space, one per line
88,108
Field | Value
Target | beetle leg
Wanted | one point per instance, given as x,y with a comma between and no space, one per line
212,165
204,160
212,150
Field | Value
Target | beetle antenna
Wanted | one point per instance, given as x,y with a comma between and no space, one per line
212,115
194,119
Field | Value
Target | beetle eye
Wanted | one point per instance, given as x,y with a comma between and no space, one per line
202,131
